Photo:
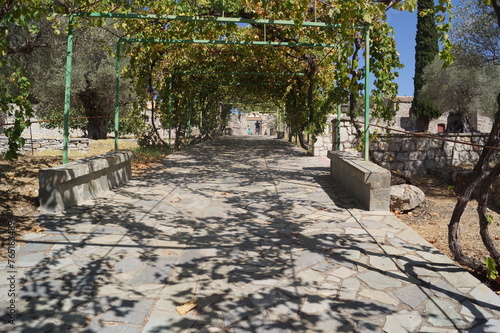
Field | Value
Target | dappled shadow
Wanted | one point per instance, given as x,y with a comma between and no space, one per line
245,228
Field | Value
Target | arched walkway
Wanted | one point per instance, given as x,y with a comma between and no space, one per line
252,231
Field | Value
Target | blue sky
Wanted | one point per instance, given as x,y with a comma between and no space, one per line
405,26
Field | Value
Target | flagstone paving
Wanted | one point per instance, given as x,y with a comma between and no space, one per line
258,236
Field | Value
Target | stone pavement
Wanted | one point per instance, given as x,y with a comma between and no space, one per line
256,234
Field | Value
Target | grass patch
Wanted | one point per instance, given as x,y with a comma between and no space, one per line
97,147
145,155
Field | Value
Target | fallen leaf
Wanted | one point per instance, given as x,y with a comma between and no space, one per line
433,214
38,229
223,193
186,307
410,214
176,200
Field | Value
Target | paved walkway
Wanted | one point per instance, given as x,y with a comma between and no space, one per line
255,233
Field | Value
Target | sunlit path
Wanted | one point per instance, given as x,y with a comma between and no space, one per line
255,234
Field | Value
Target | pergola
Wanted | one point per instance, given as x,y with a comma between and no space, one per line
264,22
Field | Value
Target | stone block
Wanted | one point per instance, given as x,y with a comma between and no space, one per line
431,153
408,145
389,156
70,184
429,164
402,157
422,144
394,146
365,181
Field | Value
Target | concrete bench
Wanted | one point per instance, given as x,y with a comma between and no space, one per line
367,182
73,183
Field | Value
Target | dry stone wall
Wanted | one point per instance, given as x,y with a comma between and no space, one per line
411,155
41,144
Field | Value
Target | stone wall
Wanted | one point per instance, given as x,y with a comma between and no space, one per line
409,154
36,129
41,144
238,123
324,142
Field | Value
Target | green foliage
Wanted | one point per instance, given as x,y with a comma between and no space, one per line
492,273
18,107
426,50
471,84
331,74
476,34
14,86
93,79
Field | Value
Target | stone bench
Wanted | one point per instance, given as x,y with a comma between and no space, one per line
367,182
73,183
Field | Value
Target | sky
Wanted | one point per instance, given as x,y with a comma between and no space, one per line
405,26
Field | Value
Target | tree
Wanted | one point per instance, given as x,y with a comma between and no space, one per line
481,178
332,75
469,85
93,77
462,89
14,86
426,50
475,34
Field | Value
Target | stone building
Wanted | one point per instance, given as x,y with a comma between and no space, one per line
447,122
239,122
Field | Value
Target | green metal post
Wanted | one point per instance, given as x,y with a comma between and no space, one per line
170,115
117,93
367,94
201,117
190,110
339,115
67,91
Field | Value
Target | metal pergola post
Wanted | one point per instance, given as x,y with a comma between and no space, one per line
190,110
67,91
367,94
339,115
117,94
170,85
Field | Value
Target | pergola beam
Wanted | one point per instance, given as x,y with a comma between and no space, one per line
215,19
225,42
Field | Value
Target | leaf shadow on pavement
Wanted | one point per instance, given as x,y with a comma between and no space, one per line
257,237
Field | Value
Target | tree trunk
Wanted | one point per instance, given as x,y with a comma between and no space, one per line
302,141
97,128
477,176
482,206
97,120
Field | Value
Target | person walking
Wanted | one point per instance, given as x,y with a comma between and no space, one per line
257,128
249,130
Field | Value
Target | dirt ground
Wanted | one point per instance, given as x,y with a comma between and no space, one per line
431,220
19,204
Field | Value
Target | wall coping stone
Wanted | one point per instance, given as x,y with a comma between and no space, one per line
367,182
73,183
